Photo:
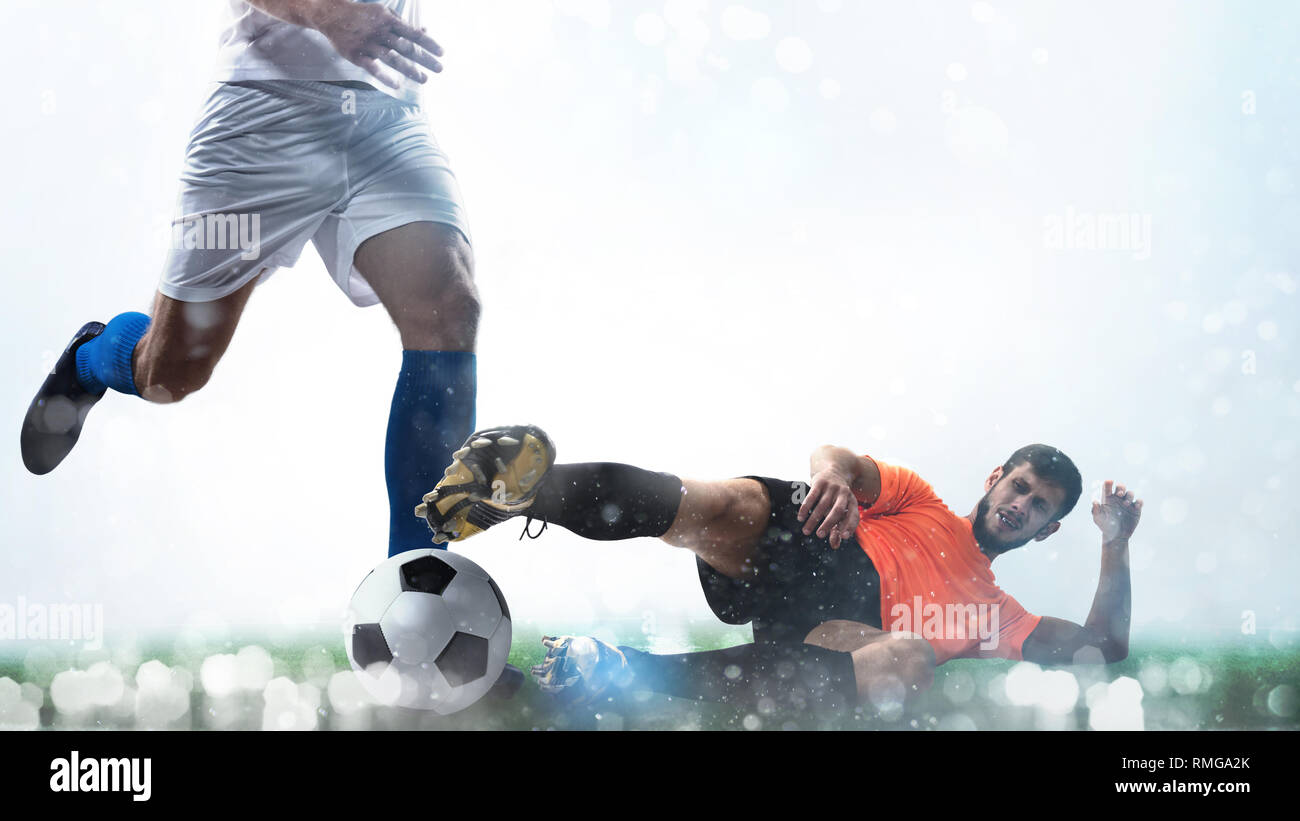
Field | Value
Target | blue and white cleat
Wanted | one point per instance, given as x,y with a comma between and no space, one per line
581,669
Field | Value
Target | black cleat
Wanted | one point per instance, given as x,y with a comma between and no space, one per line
54,419
494,476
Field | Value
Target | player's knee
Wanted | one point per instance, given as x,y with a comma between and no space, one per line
449,323
712,511
740,502
446,315
916,662
894,669
165,380
459,303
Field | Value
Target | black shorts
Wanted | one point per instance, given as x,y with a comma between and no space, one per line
798,581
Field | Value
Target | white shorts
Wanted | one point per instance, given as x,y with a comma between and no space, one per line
274,163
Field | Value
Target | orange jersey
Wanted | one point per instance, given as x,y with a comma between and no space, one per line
934,580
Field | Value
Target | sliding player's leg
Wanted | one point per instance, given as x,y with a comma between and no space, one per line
161,358
840,664
719,521
506,472
815,612
422,272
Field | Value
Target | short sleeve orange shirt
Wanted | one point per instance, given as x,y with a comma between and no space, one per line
934,580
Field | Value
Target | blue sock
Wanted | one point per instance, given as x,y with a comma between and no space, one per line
105,361
432,415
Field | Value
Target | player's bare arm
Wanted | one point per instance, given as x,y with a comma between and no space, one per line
840,480
1057,641
365,34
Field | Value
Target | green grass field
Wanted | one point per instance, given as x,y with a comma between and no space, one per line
302,682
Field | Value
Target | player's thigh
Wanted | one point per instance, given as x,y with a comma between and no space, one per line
721,522
423,274
844,635
262,172
184,342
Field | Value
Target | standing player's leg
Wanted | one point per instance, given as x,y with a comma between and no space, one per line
231,228
161,358
422,273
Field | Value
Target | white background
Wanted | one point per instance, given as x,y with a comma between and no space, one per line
707,255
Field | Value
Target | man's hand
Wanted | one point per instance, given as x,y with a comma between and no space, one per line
371,36
1117,513
1105,633
831,507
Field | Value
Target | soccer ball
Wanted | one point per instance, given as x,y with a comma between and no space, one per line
428,629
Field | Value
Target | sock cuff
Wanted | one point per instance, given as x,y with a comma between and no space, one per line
441,368
105,361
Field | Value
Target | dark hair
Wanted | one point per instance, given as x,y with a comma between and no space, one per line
1050,465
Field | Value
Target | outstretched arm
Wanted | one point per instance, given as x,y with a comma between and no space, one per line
1056,641
840,480
366,34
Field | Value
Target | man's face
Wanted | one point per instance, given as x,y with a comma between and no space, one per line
1017,506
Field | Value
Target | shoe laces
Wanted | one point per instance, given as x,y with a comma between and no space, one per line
528,523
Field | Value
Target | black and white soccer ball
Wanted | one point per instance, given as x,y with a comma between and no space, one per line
428,629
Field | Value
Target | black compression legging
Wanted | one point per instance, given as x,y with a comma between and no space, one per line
607,500
791,675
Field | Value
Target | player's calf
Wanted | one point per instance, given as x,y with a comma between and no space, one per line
184,343
160,358
164,380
